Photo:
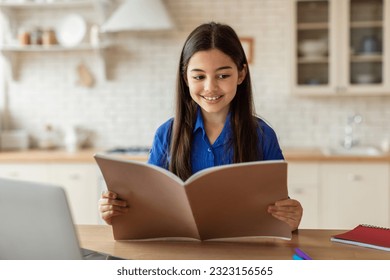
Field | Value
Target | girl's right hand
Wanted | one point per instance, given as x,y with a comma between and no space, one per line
110,206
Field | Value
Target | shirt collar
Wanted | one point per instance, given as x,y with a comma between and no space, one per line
199,124
226,132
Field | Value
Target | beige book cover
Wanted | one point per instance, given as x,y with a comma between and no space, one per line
228,201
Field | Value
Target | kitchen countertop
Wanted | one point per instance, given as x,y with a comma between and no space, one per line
315,154
55,156
86,156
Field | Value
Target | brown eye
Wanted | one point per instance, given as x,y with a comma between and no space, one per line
223,76
198,78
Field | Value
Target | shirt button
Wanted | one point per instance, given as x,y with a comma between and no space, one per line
209,149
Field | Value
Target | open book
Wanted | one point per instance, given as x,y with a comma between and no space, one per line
227,201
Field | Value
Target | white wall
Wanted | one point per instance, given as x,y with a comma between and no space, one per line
127,109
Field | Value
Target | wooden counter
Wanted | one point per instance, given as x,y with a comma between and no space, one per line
315,154
61,156
314,242
55,156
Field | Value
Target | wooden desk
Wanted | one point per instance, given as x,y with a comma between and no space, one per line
315,242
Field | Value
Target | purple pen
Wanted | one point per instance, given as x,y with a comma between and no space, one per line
302,254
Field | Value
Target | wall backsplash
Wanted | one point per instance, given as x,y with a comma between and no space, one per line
127,108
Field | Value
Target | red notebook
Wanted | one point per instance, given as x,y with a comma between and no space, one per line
366,236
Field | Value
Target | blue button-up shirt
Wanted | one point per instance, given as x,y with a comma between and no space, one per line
203,154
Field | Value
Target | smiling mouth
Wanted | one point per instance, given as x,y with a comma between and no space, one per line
212,98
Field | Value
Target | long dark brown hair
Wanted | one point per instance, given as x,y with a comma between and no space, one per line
244,125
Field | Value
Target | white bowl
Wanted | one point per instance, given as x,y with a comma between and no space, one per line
313,48
365,78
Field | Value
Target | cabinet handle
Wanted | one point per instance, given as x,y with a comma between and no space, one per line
355,177
14,174
74,176
343,89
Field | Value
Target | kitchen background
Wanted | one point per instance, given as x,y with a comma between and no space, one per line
122,89
126,108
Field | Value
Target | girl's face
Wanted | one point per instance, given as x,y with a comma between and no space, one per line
212,78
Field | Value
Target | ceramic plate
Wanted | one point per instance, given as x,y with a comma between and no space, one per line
71,30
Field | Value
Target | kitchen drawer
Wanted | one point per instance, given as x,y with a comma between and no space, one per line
355,193
80,182
28,172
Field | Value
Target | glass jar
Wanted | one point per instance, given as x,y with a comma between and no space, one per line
24,36
49,37
36,36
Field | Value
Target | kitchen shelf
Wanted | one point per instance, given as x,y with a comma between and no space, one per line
366,24
33,5
51,48
304,60
367,58
9,53
100,7
10,48
9,8
312,26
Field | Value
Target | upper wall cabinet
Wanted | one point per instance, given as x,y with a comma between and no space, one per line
340,47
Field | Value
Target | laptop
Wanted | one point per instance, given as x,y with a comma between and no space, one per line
36,224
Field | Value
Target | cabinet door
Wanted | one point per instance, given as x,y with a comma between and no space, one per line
81,184
340,47
352,194
29,172
364,46
303,186
314,57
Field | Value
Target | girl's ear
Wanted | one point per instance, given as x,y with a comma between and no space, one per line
242,74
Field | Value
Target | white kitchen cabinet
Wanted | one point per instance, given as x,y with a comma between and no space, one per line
341,195
354,193
356,36
303,186
41,15
80,182
19,171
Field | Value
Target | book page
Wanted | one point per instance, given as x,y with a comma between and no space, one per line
232,201
158,206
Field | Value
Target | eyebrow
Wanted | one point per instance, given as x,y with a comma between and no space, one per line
218,69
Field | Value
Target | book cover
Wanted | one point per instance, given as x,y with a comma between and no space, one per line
227,201
366,236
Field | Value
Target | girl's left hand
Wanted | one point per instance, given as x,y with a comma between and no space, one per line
287,210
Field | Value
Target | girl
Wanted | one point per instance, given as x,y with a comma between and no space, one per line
215,121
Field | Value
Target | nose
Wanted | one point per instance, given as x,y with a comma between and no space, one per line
210,85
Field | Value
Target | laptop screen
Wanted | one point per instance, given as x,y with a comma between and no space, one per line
36,222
